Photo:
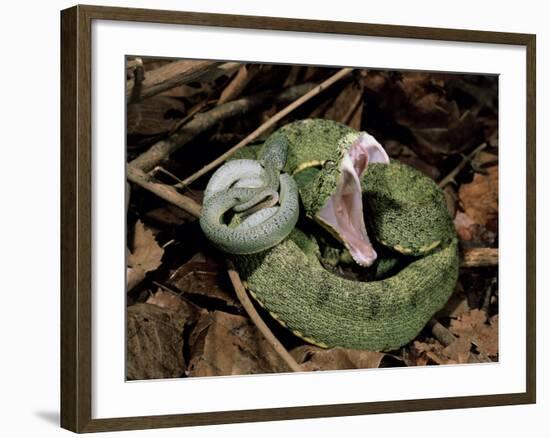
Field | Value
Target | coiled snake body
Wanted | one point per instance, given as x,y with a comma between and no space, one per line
346,184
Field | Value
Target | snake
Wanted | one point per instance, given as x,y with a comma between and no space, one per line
314,185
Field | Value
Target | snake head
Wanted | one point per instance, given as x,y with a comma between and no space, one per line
334,199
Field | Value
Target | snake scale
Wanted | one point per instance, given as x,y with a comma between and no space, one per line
388,217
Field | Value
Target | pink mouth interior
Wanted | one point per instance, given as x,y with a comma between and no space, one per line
343,212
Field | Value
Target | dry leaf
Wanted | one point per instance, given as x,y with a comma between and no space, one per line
477,329
457,304
469,231
423,353
171,301
318,359
419,102
437,353
147,254
465,226
153,116
456,135
345,104
480,199
470,328
484,158
186,91
154,342
204,275
225,344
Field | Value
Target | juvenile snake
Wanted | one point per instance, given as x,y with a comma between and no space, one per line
346,184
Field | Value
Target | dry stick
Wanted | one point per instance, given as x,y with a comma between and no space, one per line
176,73
351,110
441,333
238,83
446,337
451,176
166,172
204,121
479,257
168,193
268,124
258,321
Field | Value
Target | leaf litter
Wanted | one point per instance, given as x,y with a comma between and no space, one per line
184,319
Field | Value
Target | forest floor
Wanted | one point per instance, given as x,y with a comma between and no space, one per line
184,318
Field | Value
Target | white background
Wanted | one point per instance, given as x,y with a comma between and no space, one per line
29,183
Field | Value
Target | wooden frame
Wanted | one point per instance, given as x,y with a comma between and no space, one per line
76,173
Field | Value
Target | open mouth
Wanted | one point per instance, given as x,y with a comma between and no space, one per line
343,212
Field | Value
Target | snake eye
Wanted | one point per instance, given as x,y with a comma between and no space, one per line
329,164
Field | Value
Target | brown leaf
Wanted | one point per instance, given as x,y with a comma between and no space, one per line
205,275
419,102
469,231
171,301
154,342
345,104
484,158
458,351
187,91
457,134
457,304
480,198
424,353
313,358
376,81
474,327
437,353
223,344
153,116
465,226
147,254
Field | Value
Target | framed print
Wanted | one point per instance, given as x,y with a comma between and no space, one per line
303,218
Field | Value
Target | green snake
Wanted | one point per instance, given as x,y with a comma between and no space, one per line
346,184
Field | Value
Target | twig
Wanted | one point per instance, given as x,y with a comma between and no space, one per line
451,176
238,83
131,64
173,74
207,120
166,172
353,106
168,193
139,76
257,320
268,124
441,333
479,257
